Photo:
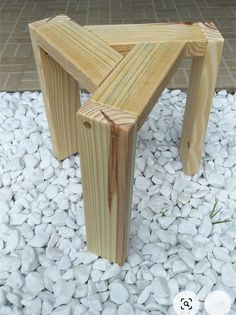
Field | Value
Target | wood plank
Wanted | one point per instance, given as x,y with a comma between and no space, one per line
61,99
136,83
124,37
201,89
82,54
107,148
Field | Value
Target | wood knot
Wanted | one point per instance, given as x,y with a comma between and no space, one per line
87,124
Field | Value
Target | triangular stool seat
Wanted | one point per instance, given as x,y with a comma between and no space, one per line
126,67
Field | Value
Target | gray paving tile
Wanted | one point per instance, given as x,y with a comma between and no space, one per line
17,67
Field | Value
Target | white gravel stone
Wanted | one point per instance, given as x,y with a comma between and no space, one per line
6,179
15,280
82,273
59,218
187,257
125,309
47,307
93,302
6,194
228,275
30,161
184,197
221,254
158,270
168,237
75,188
33,285
4,206
179,267
144,295
96,275
53,273
186,227
118,293
48,173
144,232
198,252
12,241
130,278
169,168
166,189
228,242
40,239
29,259
216,180
18,218
36,176
2,296
100,264
62,310
173,247
201,266
141,164
9,263
54,253
63,291
62,202
111,309
173,287
51,191
134,259
14,299
159,287
205,227
142,183
111,272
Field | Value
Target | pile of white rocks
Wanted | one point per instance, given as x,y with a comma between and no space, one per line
175,242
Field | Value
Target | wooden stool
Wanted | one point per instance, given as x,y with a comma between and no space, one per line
126,67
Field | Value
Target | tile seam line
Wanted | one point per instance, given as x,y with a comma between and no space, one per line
155,13
17,20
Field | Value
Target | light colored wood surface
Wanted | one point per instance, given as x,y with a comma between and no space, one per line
107,140
124,37
61,99
105,128
82,54
201,89
136,83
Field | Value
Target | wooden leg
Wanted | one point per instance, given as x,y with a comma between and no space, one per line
201,89
107,150
61,99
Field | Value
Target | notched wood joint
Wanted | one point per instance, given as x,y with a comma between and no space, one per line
189,23
210,25
87,124
107,117
114,126
51,18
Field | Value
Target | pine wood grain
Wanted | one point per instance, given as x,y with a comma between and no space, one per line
139,79
61,98
59,85
125,91
107,149
201,89
124,37
82,54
